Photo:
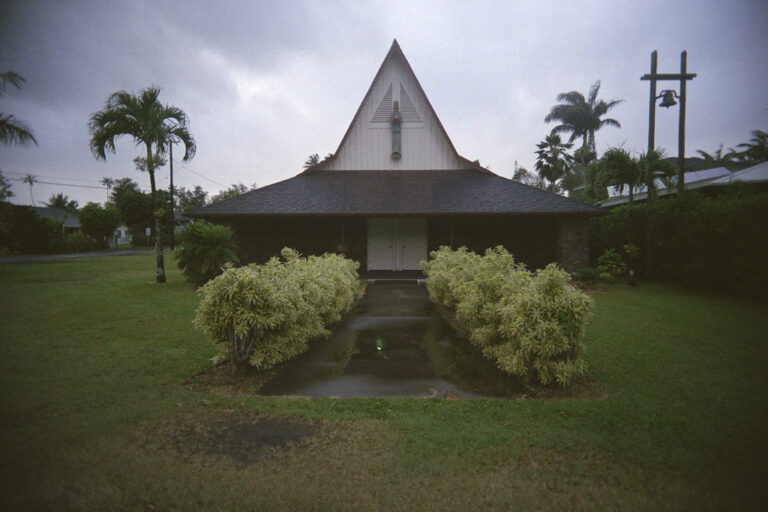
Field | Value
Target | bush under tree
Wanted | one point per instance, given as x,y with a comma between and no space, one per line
203,250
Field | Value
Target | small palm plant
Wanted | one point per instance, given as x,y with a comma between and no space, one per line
204,249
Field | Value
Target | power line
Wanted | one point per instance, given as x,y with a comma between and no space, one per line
52,177
204,177
61,184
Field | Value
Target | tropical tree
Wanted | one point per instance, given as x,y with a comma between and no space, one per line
552,159
580,116
147,122
190,199
62,201
109,183
756,150
621,169
11,130
526,177
312,160
99,222
233,191
31,179
5,188
653,167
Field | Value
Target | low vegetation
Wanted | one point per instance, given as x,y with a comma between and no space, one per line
529,324
713,243
96,415
203,250
267,314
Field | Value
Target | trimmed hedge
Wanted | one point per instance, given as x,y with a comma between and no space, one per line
715,243
529,324
267,314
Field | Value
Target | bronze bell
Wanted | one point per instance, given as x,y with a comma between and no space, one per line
669,98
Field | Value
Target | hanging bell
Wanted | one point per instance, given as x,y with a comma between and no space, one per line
669,99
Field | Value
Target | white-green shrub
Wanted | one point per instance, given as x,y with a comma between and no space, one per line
267,314
528,323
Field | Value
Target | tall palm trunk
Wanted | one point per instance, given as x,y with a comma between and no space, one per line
158,245
592,141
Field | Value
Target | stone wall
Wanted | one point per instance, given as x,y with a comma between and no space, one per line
573,243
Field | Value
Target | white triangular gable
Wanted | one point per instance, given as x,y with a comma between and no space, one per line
367,145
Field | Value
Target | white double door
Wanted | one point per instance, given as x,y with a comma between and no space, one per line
396,243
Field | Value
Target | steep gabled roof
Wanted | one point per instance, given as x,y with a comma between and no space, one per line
394,56
382,192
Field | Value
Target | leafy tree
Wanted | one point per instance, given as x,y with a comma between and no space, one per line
580,116
552,159
756,150
233,191
62,201
11,130
31,179
99,222
5,188
204,248
526,177
22,231
150,123
190,199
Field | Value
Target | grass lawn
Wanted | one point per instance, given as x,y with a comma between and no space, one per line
95,415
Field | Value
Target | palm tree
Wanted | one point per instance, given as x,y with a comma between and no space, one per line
62,201
756,150
31,179
109,183
582,116
150,123
717,158
622,170
552,159
11,130
652,167
312,160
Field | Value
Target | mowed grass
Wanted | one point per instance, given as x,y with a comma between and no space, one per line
95,415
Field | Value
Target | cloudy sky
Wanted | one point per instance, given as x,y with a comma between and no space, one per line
265,84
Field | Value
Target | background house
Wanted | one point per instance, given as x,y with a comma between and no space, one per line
396,188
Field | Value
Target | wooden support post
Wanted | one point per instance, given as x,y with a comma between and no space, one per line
681,127
652,109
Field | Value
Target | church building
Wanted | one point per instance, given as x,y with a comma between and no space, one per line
396,188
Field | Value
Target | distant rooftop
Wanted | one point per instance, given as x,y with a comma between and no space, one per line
719,176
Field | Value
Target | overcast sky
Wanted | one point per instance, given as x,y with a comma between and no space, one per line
265,84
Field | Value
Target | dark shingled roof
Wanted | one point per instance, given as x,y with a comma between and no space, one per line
396,193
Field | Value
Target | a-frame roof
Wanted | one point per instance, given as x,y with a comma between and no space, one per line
397,60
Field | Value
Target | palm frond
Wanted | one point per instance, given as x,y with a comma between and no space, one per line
14,132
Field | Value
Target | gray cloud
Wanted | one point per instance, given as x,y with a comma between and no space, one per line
265,84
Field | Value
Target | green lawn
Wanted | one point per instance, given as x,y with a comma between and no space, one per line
95,415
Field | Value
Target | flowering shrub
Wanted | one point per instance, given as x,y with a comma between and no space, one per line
267,314
529,323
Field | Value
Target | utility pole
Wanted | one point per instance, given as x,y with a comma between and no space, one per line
669,101
173,213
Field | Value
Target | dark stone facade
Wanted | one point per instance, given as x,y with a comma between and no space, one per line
573,242
534,240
